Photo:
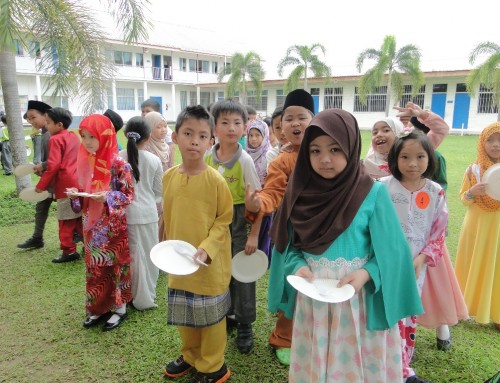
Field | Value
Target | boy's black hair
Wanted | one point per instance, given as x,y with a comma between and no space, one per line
197,112
277,112
152,103
136,131
229,105
60,115
396,148
267,120
251,110
3,118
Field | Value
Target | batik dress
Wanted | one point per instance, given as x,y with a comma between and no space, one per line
107,255
423,215
357,340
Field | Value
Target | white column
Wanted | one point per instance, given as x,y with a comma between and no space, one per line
172,106
145,86
38,88
198,91
113,91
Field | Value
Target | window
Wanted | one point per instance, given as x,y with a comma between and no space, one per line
333,98
215,67
192,66
375,102
56,101
220,96
139,59
205,66
407,96
125,99
257,105
314,91
461,88
439,88
35,49
193,100
140,96
183,99
182,65
122,58
23,102
280,97
19,48
205,99
486,101
109,94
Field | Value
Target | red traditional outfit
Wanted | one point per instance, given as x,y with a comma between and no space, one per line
61,174
107,256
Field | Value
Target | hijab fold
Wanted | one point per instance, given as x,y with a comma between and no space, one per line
157,146
94,169
258,154
320,209
485,202
376,163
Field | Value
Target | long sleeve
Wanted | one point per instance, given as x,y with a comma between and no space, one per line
217,234
122,191
438,128
55,152
434,245
466,185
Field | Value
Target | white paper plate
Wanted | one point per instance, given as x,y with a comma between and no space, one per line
30,195
249,268
492,179
24,170
324,290
174,257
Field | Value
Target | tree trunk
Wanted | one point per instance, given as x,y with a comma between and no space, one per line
15,128
305,79
389,93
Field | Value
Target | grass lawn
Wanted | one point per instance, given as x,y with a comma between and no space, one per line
42,310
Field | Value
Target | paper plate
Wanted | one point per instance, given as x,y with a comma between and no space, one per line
492,179
30,195
79,194
249,268
24,170
324,290
174,257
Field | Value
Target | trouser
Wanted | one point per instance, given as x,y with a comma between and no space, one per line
37,149
204,347
243,295
281,336
67,230
6,157
41,215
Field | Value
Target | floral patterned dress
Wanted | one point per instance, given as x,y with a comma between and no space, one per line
423,215
107,255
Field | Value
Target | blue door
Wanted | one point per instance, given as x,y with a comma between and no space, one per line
316,104
158,98
438,103
461,111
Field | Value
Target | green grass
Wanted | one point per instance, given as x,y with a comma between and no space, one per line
42,310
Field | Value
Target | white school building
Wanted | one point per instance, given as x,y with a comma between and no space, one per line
181,73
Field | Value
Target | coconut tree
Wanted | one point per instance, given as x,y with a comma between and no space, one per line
70,51
488,73
243,68
390,67
306,61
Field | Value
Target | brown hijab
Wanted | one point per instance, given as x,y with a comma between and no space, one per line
318,209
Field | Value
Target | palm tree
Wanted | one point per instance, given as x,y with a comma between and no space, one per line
488,73
243,68
305,60
71,53
393,63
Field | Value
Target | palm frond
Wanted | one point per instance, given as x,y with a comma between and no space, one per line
367,54
487,47
286,61
292,81
131,18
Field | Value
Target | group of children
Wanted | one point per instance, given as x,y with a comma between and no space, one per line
332,219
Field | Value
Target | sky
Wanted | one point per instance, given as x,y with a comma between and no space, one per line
443,30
